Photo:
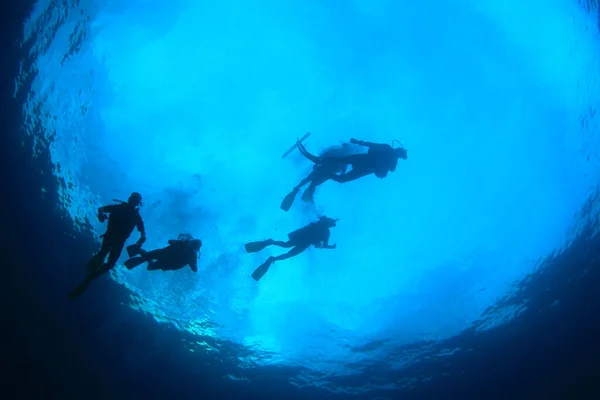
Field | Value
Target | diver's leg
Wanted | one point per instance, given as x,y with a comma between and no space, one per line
94,274
293,252
172,266
115,252
98,259
279,243
153,254
304,181
155,265
320,175
349,159
309,193
350,176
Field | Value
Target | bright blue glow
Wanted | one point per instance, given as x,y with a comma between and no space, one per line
192,104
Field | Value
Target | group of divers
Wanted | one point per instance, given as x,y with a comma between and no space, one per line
332,164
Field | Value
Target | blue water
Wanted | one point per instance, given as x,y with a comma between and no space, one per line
192,104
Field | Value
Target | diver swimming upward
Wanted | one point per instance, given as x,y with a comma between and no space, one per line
179,253
332,164
124,217
314,234
379,160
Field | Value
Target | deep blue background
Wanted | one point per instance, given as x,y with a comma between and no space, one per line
54,348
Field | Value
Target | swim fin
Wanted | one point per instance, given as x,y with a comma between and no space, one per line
133,250
262,270
253,247
134,262
78,291
288,200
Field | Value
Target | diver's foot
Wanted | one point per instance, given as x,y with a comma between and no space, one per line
78,291
308,197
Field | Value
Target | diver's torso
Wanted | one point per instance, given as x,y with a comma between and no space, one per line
122,220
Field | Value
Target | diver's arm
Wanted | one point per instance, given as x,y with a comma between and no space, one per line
102,210
194,265
142,230
106,209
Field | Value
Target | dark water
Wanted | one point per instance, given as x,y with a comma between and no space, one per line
99,348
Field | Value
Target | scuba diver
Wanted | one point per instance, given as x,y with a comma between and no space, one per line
379,160
325,166
180,252
123,218
314,234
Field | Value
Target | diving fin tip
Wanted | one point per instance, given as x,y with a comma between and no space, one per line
288,200
262,269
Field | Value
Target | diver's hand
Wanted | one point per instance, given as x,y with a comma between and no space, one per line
101,217
140,242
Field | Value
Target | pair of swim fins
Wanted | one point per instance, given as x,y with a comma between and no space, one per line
133,251
288,200
254,247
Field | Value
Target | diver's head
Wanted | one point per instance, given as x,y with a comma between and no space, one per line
135,199
196,244
400,152
328,222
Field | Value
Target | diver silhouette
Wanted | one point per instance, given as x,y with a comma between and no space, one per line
379,160
124,217
314,234
179,253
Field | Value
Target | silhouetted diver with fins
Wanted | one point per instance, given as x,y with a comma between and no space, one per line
179,253
326,166
379,160
314,234
124,217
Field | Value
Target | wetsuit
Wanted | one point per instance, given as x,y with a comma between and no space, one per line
379,160
124,217
315,234
177,255
121,222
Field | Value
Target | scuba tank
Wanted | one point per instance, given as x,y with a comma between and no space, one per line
307,232
188,241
